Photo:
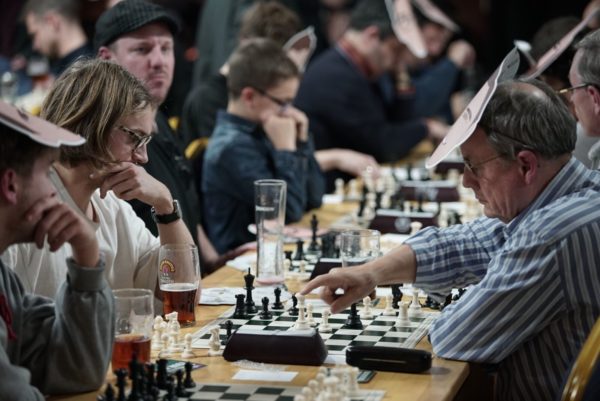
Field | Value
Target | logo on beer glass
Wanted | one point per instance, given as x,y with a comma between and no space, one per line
167,268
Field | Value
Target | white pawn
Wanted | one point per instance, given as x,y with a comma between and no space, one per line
353,189
157,343
165,353
286,266
415,226
302,266
366,312
299,397
415,306
402,319
187,350
314,386
352,387
310,319
308,394
389,309
301,323
325,327
215,342
339,187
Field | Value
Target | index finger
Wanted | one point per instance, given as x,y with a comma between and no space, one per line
320,281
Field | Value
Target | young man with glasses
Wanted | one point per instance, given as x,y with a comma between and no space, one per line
261,135
531,262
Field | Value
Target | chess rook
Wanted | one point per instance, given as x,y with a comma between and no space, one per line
128,344
180,298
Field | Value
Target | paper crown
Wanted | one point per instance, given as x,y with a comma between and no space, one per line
405,26
433,13
36,128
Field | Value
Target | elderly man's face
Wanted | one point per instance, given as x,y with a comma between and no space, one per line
148,54
582,101
493,179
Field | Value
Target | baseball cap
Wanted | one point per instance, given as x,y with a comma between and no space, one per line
127,16
37,129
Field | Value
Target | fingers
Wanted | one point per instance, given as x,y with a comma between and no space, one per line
52,224
37,210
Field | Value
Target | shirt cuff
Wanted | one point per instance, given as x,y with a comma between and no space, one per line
81,278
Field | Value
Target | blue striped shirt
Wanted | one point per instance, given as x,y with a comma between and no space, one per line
535,291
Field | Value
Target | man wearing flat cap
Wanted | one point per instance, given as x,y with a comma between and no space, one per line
138,35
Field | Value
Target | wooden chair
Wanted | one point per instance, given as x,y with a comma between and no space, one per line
585,370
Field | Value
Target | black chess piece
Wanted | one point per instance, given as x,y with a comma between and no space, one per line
240,307
409,172
293,311
121,383
361,207
278,305
161,374
265,314
109,394
378,196
420,199
288,255
150,381
170,396
188,382
228,332
134,366
299,255
249,304
180,389
396,295
428,302
448,301
353,320
314,226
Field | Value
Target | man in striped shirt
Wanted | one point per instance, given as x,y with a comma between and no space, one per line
532,261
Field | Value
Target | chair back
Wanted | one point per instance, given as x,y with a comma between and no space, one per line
583,382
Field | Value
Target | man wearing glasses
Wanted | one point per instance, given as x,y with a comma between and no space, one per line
531,262
260,136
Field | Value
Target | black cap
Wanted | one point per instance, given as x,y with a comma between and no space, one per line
127,16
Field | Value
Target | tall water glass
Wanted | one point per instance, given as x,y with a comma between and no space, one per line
134,316
269,206
179,278
359,246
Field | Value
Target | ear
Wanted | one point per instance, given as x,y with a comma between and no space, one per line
248,94
52,19
594,93
371,33
9,186
105,53
528,165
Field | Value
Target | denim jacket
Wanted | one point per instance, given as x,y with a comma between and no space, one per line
239,153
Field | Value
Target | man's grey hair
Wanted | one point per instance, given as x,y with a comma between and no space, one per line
589,61
67,8
528,115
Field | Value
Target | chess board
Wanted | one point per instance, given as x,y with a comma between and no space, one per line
378,331
254,392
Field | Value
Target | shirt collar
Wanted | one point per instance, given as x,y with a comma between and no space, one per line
360,61
242,123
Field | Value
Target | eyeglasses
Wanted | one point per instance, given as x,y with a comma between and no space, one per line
573,88
137,139
474,168
284,104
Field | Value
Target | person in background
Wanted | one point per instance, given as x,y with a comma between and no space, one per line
48,347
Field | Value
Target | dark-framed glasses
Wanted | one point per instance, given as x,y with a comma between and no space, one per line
138,140
284,104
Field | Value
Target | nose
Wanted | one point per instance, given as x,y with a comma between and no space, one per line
469,180
140,155
157,58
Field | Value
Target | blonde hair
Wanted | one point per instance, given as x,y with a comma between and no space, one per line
89,98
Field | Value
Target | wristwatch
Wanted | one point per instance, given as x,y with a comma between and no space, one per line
167,218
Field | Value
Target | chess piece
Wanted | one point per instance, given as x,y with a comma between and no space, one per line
353,320
397,295
214,343
278,305
352,387
293,311
121,383
309,316
287,265
188,382
367,312
353,193
265,314
158,327
314,225
288,255
389,309
240,307
302,266
161,374
250,306
325,327
109,393
299,255
402,319
339,187
228,332
415,306
187,350
301,323
180,389
164,353
415,226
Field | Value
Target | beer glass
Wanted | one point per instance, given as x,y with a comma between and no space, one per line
133,326
269,206
179,279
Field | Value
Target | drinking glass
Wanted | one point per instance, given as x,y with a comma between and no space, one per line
133,329
269,206
179,279
359,246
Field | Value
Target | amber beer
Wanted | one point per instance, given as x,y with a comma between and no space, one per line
128,344
181,298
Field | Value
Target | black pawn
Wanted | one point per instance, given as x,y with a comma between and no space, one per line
180,389
250,306
314,225
240,307
228,330
188,382
121,383
361,207
420,199
161,374
150,380
293,311
278,305
409,172
353,320
396,295
288,255
109,394
265,314
299,255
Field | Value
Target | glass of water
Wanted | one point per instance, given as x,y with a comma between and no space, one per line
359,246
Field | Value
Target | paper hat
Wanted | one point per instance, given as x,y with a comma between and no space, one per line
36,128
303,44
555,51
433,13
466,123
405,26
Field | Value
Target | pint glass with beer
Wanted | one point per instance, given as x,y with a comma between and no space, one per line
179,277
134,317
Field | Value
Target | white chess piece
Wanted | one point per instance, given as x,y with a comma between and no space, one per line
389,309
301,323
287,264
299,397
302,266
165,353
187,350
325,327
339,187
415,226
310,319
157,343
215,342
415,306
367,312
353,193
402,319
308,394
314,386
352,386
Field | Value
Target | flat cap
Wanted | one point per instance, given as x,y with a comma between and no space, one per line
127,16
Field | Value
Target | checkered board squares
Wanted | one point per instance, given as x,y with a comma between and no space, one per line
378,331
253,392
